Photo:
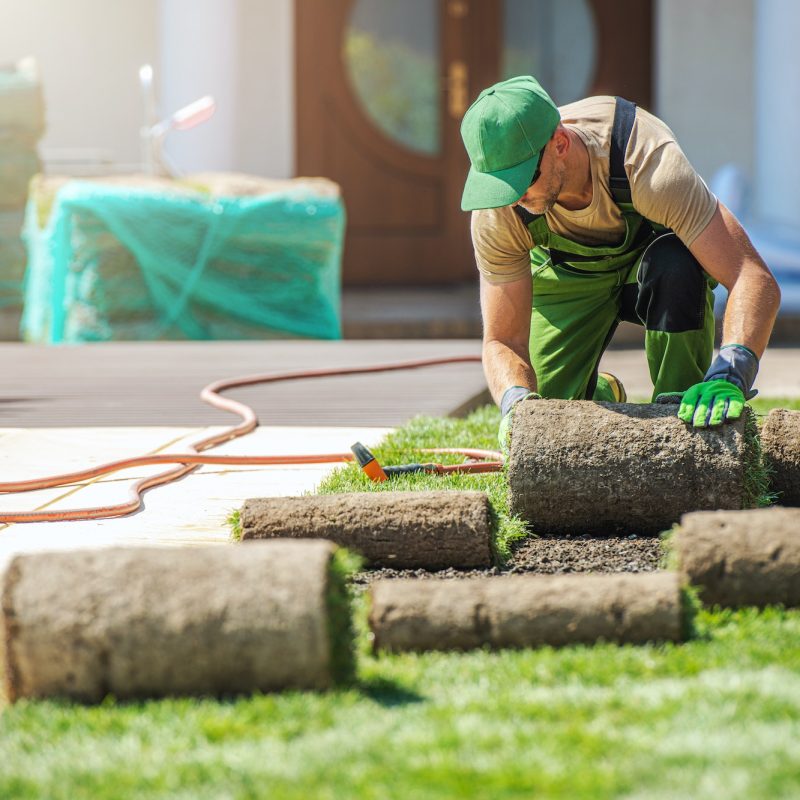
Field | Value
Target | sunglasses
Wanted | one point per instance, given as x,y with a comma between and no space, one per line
538,173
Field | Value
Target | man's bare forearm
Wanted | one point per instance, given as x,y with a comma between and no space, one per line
506,312
752,307
506,365
726,253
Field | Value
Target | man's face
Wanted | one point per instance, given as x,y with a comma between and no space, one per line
543,193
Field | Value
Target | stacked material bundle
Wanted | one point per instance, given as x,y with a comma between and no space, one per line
208,257
21,127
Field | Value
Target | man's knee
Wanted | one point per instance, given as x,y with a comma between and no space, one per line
672,287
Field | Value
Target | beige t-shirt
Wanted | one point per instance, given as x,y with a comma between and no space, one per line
664,188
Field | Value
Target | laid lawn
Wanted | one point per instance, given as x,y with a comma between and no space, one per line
716,717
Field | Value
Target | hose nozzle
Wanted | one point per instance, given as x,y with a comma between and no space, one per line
376,472
368,463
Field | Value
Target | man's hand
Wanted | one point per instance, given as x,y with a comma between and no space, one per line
721,396
711,403
511,397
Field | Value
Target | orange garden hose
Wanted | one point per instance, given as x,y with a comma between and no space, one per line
489,460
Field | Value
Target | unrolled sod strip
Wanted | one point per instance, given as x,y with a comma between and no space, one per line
780,443
526,611
601,468
742,558
405,530
161,621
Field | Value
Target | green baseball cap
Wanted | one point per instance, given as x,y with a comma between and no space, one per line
505,131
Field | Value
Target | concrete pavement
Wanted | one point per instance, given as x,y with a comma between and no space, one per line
191,511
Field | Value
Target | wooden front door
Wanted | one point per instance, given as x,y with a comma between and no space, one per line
381,86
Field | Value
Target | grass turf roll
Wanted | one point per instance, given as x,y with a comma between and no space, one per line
149,622
741,558
404,530
780,443
526,611
603,468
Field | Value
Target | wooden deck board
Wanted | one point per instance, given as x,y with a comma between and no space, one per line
158,383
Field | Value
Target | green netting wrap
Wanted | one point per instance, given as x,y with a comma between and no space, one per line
144,258
21,126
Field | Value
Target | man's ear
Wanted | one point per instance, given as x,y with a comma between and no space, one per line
561,141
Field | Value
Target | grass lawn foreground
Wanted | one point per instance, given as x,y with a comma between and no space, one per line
716,717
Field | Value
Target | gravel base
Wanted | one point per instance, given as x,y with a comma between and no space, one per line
553,555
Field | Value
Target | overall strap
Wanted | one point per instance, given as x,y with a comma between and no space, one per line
536,224
624,116
526,215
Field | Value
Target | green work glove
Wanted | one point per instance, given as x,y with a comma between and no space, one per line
721,396
711,403
511,397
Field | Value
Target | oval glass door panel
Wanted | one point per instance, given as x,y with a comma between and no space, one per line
392,55
553,40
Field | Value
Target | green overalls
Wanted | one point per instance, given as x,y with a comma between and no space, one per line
582,292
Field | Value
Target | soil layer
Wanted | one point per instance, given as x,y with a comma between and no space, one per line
554,555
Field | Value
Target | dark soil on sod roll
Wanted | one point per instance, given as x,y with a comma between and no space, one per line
552,555
526,611
400,530
141,622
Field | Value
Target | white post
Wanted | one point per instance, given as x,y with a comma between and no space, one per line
198,44
777,105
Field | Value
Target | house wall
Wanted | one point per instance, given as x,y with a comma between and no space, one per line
90,51
266,88
704,81
89,54
198,48
242,53
777,117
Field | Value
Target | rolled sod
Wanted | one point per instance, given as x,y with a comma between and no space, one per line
780,444
151,622
404,530
742,558
526,611
606,468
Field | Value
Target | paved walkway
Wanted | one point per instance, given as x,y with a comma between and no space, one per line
190,511
69,408
158,383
